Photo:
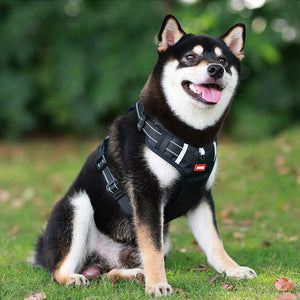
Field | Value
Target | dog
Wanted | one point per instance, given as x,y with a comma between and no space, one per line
158,163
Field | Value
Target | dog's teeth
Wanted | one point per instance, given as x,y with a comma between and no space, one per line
193,89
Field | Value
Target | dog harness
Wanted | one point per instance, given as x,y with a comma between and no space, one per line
193,164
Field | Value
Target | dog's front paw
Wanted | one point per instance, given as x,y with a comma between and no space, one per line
159,289
77,279
241,272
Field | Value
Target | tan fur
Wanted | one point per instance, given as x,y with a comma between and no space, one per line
137,274
161,48
198,50
66,278
154,266
218,51
58,275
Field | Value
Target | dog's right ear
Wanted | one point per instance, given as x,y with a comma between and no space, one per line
170,33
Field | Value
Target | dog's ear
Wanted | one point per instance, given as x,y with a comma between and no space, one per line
234,38
170,33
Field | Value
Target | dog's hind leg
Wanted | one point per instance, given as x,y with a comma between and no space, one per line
70,264
204,227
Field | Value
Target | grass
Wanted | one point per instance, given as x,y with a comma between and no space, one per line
258,211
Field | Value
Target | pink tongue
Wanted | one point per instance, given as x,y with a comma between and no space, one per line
208,94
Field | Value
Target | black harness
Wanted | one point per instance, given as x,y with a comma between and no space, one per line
194,165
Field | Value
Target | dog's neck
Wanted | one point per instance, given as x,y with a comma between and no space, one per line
157,109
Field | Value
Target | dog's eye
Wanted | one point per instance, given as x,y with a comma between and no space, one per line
190,57
222,60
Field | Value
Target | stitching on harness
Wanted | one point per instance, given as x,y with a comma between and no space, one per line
176,144
153,128
150,137
171,152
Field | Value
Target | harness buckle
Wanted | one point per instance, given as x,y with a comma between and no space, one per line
113,189
101,163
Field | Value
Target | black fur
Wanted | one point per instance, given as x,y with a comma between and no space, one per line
126,160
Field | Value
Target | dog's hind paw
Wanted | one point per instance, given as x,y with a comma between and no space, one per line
159,289
77,279
241,272
127,274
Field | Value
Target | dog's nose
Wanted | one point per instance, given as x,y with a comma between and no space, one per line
215,71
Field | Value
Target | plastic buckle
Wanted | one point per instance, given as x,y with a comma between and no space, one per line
101,163
113,189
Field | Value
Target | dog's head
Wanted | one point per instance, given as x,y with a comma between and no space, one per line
198,73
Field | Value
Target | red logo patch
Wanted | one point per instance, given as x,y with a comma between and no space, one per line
200,167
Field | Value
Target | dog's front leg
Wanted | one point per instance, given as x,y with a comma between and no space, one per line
149,230
204,227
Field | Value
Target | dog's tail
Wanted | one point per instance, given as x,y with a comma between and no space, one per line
37,257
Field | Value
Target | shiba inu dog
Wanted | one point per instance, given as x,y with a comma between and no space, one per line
158,163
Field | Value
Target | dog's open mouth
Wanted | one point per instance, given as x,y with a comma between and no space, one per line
207,93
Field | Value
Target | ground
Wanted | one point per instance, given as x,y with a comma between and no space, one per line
258,212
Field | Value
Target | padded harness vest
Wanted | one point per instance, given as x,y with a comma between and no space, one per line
193,164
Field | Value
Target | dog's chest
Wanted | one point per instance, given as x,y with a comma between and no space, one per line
165,173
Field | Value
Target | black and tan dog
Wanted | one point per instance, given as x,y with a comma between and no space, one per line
158,163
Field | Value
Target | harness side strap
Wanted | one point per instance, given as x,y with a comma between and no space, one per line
112,184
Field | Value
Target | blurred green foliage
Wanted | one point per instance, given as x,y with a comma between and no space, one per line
71,66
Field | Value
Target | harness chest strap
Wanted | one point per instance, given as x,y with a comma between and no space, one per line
174,150
193,164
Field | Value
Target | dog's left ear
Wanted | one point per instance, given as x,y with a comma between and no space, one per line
170,33
234,38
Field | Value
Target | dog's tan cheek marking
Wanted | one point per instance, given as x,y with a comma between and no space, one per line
218,51
153,258
198,50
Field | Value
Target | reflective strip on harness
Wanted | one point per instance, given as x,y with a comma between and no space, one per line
181,154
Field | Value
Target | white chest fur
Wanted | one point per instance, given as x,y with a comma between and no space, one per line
165,173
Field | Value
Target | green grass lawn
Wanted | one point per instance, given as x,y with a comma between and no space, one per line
257,198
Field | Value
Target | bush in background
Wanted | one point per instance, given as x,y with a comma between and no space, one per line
71,66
